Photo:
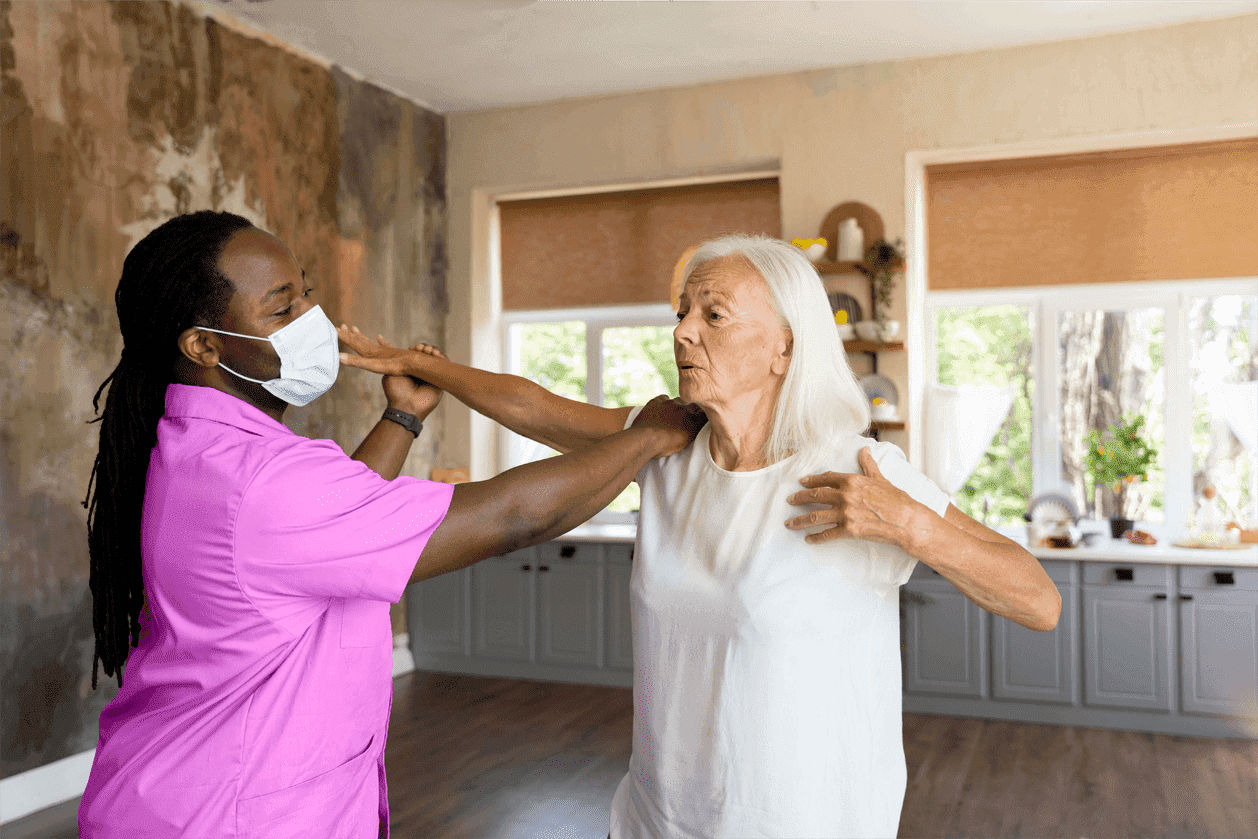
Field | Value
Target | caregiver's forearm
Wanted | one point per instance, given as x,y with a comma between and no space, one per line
524,407
1000,576
536,502
384,449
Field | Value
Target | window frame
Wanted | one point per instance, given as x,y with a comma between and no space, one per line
1045,304
597,319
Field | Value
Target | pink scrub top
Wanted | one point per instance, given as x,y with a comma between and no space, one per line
257,702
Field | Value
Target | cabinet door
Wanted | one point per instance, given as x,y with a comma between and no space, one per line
619,626
1036,666
502,606
945,641
569,584
1127,648
436,615
1219,644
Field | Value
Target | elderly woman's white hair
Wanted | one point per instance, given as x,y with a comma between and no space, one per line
820,401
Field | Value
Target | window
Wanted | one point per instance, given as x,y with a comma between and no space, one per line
613,356
1183,355
993,345
1221,337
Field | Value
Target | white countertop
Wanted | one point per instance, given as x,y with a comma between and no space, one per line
1120,550
1106,550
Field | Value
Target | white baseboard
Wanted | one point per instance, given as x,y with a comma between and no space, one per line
62,780
29,792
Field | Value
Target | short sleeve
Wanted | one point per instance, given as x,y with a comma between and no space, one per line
896,469
314,523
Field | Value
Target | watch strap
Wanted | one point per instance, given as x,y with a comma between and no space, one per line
408,421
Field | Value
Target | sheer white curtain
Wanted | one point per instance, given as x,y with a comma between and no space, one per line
1237,403
960,423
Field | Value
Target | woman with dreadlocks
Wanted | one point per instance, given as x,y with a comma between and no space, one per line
241,573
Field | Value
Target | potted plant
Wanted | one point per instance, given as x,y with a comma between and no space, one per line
1118,460
883,260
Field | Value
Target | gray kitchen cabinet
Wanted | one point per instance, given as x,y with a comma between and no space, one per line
569,607
436,615
1030,666
1127,642
1218,619
503,606
619,571
945,645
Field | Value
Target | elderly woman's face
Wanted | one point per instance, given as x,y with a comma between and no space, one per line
729,344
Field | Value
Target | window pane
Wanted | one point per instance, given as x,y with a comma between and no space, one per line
553,355
1111,370
638,365
991,345
1223,341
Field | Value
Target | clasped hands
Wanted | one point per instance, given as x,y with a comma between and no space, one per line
403,390
865,506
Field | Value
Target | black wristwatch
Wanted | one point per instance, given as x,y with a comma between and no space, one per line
408,421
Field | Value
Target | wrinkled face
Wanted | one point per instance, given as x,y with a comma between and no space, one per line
729,344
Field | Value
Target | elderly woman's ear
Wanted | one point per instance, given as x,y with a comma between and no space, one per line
782,361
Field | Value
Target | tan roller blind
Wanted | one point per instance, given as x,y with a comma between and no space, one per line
1163,213
620,247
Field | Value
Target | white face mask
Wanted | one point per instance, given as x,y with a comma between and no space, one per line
309,358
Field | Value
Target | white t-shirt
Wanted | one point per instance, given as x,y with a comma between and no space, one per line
766,685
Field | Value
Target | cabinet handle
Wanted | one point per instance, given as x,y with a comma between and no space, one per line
1185,597
526,567
1224,578
1159,597
568,551
1124,574
543,568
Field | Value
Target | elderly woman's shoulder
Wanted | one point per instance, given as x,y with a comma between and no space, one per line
844,456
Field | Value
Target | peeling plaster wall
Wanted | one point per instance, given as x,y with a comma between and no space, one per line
115,117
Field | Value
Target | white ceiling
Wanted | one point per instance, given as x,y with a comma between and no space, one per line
458,55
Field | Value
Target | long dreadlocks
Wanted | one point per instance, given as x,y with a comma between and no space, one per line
170,282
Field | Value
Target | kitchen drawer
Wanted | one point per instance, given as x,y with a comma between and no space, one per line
1216,578
1061,571
1124,574
554,553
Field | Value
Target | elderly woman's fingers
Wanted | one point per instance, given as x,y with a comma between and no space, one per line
824,479
867,463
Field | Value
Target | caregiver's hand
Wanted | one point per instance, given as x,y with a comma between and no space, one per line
402,389
864,506
680,421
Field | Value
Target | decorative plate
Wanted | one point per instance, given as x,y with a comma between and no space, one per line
876,384
1052,505
1214,546
848,303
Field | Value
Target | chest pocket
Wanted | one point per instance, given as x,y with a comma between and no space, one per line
365,623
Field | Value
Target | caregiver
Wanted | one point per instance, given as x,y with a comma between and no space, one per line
251,568
766,661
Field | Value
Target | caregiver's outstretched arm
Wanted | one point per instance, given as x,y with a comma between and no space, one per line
526,408
995,572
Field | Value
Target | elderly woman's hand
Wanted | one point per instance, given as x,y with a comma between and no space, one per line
864,506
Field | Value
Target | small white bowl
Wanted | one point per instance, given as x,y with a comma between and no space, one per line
846,332
867,330
890,329
885,411
815,252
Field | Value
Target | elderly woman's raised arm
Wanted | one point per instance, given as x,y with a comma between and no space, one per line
995,572
523,406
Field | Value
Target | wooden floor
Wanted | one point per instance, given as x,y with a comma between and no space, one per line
498,758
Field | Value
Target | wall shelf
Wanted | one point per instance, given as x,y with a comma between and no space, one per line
888,425
873,346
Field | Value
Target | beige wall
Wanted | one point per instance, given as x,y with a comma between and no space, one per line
835,135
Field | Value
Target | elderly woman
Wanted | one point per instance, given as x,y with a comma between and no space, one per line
765,637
